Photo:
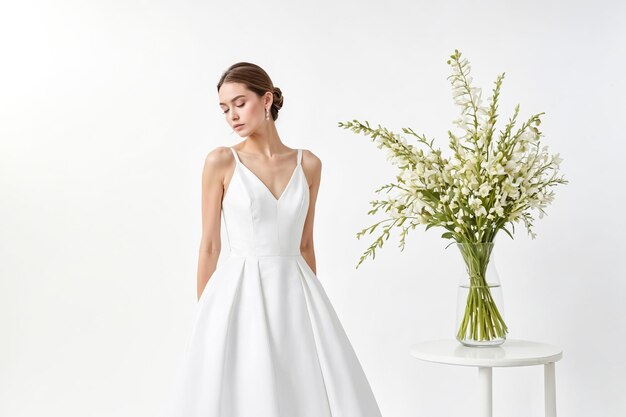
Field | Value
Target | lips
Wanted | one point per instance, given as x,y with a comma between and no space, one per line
238,125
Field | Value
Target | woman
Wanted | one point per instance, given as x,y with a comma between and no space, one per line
266,341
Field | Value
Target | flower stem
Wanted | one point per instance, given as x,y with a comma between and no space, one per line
482,320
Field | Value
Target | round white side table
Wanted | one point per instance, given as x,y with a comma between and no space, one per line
510,353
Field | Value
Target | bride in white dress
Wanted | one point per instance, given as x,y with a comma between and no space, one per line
266,341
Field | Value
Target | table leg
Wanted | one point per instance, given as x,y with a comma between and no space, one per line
485,396
549,383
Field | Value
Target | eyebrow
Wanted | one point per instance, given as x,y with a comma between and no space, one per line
240,95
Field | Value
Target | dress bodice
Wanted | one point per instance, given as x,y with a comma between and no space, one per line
259,224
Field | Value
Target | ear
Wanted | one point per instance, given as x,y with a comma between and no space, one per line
268,99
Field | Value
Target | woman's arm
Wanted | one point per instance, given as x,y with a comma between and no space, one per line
312,167
215,165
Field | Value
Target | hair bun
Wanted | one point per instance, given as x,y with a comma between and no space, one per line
278,98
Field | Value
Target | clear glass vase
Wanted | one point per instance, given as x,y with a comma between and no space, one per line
480,306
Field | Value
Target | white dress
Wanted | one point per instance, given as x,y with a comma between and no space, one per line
266,341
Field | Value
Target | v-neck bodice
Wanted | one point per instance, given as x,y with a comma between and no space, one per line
259,224
298,165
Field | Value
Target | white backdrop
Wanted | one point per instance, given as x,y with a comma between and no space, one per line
108,109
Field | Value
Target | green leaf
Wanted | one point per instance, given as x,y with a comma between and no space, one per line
509,233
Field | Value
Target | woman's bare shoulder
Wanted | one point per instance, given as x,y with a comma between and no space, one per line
219,156
312,166
311,160
218,160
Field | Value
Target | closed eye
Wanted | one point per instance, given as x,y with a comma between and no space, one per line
237,106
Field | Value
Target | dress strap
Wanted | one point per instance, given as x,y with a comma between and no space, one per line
235,155
299,156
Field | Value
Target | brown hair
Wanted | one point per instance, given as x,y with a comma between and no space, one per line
256,80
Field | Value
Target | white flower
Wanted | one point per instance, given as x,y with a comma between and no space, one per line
512,166
481,211
484,189
474,202
497,169
429,172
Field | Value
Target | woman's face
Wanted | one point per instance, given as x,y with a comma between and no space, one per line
242,107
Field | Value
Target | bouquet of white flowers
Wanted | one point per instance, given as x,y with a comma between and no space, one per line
487,183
